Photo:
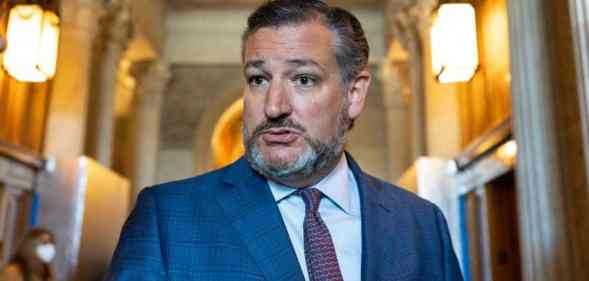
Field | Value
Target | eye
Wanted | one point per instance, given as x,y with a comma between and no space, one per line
305,80
256,81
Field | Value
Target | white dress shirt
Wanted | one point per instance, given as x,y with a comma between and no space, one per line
339,209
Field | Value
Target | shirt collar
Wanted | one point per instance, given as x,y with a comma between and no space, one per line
335,186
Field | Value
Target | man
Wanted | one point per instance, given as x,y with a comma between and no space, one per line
296,207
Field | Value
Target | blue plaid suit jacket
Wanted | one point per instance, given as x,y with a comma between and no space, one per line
225,225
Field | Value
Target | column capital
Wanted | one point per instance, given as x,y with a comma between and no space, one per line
409,20
82,15
152,71
117,22
151,78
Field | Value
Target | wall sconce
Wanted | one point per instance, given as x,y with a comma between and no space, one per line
454,43
32,39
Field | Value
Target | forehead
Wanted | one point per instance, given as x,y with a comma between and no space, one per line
309,40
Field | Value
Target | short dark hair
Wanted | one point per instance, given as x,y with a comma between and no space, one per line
351,46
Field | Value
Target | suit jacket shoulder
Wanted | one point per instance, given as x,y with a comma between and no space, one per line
198,229
405,237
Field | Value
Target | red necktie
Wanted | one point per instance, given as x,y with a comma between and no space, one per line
320,255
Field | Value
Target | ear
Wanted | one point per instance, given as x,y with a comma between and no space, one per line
357,91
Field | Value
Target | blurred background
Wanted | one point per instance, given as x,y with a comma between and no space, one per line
480,106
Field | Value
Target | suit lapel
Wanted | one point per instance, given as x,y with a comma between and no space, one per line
252,211
384,224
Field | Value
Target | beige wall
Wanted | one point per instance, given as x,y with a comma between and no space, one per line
214,36
442,113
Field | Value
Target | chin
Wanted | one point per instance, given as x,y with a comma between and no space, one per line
282,162
279,158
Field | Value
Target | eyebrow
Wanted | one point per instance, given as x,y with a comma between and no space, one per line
253,64
305,62
296,62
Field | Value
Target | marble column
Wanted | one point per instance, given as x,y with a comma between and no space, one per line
395,91
68,107
553,198
113,43
408,23
151,79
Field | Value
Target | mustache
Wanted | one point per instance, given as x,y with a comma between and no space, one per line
277,123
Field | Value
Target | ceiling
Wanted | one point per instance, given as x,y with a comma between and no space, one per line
222,4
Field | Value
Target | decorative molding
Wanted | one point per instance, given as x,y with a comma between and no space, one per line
110,45
118,26
24,156
82,14
151,78
408,22
16,174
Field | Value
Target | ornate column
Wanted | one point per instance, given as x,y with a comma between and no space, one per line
396,98
553,198
111,45
151,79
66,122
409,23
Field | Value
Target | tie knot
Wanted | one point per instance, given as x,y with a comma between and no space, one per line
312,197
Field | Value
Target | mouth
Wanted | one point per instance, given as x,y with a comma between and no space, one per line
279,136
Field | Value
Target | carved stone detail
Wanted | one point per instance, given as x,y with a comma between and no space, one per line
151,79
117,29
407,24
118,26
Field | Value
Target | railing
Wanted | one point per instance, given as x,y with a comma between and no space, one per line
22,155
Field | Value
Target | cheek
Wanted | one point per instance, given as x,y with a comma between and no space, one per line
319,119
251,115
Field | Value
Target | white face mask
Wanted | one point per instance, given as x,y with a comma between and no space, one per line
46,252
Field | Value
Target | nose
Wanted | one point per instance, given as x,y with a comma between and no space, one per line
277,103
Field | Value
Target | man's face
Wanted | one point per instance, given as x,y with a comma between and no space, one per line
295,110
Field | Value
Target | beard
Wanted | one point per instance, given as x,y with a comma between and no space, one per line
317,156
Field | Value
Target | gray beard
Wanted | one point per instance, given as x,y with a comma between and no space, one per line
317,157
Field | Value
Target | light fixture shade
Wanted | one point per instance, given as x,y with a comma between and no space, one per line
32,39
454,43
49,44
